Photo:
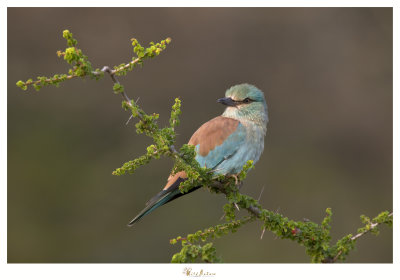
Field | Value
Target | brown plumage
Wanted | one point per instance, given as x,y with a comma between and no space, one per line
173,178
210,135
213,133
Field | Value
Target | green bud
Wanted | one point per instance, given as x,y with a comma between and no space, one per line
67,34
118,88
37,87
22,85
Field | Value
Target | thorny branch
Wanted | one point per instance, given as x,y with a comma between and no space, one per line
212,230
257,212
355,237
111,72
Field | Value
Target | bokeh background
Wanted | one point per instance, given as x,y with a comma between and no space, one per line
327,77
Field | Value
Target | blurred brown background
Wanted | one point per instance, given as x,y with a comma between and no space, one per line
327,77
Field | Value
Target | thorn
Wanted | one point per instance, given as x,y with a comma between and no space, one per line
129,120
262,234
259,197
132,115
237,207
223,216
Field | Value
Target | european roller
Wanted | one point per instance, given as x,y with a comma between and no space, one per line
224,143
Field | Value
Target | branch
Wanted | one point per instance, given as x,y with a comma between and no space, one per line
108,70
314,237
253,209
120,89
370,227
373,225
112,73
81,67
214,231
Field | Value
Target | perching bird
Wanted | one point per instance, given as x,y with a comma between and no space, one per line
224,143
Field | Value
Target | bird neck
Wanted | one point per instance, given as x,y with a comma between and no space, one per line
259,119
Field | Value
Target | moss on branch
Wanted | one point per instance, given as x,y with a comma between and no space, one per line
81,66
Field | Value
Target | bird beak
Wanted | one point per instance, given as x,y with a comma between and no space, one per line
227,101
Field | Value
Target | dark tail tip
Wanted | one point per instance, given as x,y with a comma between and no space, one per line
160,199
137,218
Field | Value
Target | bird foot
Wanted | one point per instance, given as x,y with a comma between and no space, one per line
236,178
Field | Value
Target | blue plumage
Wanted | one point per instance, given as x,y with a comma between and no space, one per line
219,158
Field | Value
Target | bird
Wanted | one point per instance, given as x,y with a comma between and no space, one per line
223,144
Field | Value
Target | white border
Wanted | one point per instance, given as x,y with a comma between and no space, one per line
170,271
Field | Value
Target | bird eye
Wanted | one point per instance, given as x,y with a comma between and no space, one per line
246,100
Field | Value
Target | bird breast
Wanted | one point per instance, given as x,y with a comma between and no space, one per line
251,149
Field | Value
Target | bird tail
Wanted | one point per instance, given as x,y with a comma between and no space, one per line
157,201
160,199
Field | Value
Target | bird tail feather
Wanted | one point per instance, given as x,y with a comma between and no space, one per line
160,199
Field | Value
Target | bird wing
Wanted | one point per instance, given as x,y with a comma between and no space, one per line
216,141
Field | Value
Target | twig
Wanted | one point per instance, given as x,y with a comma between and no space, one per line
173,150
255,210
355,237
136,102
108,70
252,209
112,73
211,230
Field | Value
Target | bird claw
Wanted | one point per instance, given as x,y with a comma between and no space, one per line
236,179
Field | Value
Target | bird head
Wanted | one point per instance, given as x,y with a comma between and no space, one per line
245,103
